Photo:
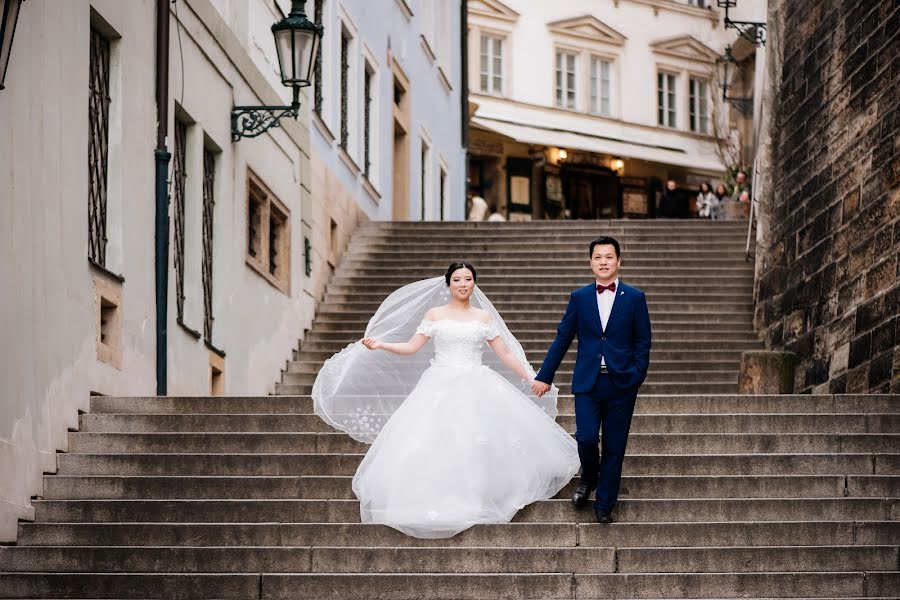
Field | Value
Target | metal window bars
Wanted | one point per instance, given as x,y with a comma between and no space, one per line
179,176
209,202
98,146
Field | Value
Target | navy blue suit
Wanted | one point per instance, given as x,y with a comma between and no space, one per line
603,400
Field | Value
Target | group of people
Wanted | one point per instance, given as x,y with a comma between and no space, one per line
454,442
480,211
710,202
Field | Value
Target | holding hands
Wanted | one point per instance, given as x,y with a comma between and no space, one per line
539,387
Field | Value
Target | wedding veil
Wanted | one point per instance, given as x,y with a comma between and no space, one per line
357,389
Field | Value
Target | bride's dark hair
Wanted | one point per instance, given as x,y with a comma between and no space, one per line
460,265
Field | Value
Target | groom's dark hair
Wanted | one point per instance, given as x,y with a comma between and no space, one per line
460,265
603,241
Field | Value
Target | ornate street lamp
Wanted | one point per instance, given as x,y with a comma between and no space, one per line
752,31
744,105
8,19
296,41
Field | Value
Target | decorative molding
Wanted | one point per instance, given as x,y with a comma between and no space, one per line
492,9
426,47
589,28
445,82
405,9
679,7
686,47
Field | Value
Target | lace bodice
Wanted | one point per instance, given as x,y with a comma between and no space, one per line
458,343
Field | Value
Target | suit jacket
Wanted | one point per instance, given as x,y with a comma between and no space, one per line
625,344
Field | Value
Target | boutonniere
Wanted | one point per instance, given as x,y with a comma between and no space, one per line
621,293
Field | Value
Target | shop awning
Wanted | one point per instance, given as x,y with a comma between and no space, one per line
691,155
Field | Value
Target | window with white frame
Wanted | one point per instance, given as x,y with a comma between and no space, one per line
345,91
699,3
565,79
318,11
699,104
601,86
491,64
665,96
424,179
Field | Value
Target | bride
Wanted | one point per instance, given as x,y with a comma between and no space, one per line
454,442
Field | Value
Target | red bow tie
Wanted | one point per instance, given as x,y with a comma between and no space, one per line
611,287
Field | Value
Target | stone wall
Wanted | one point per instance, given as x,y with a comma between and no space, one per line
828,272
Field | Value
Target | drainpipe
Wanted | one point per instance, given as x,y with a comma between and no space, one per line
464,93
162,197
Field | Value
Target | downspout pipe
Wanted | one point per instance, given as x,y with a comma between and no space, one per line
162,157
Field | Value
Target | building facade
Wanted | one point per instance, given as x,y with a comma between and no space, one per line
386,117
583,108
255,225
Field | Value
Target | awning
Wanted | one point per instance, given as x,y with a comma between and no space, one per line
690,155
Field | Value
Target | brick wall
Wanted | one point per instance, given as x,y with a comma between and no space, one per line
828,288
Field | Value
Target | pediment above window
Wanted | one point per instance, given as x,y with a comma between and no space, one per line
686,47
492,9
587,27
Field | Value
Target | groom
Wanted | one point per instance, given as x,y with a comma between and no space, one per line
613,328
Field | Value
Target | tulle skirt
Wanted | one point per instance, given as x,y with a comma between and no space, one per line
465,447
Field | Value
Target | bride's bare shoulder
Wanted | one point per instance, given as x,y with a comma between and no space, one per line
483,315
434,314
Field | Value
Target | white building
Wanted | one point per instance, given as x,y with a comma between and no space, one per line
584,107
386,124
255,225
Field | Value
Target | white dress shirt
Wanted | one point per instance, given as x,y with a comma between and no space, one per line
605,302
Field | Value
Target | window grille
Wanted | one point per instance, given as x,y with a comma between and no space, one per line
98,147
209,202
179,175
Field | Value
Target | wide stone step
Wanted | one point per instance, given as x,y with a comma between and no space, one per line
451,560
72,487
641,423
717,364
682,510
333,306
649,387
539,346
656,357
647,404
529,273
286,559
346,464
738,533
538,336
532,297
223,586
686,280
328,443
653,287
533,315
564,379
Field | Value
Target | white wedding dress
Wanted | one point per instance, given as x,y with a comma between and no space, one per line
465,446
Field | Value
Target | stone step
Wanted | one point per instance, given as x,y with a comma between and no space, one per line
562,378
540,335
689,510
686,280
286,559
836,423
681,315
531,273
80,487
733,365
691,356
335,306
714,387
346,464
131,585
435,559
537,296
647,404
737,533
329,443
721,322
540,345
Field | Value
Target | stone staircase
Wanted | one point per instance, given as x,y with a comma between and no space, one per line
724,496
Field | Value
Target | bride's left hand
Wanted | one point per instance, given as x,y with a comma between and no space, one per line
371,343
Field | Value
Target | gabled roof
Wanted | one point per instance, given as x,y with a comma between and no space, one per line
587,27
492,9
687,47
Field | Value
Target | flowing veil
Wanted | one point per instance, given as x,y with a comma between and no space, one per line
357,389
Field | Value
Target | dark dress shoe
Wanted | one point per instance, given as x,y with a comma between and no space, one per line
603,516
582,495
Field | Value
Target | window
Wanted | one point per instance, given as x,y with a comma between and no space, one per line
98,146
491,64
179,176
665,83
565,80
367,121
423,176
698,3
443,191
209,202
268,235
317,83
345,92
699,105
601,96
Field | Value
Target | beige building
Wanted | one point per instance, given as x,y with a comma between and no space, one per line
583,108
